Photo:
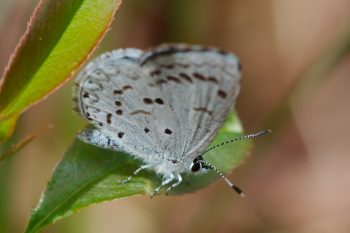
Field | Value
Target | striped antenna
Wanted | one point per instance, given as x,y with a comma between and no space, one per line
253,135
232,185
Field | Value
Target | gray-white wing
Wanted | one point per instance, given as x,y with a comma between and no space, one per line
126,105
201,85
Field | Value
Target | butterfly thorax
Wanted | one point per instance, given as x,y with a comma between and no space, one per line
166,166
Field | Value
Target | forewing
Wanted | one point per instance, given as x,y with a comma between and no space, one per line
125,105
201,85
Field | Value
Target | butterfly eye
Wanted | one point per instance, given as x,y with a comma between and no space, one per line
196,166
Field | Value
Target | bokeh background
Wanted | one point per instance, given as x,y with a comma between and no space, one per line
296,180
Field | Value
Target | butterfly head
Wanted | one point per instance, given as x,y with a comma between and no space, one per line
199,165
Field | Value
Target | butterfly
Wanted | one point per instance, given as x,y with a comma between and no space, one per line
163,106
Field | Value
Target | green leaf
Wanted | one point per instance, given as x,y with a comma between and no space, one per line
7,127
87,175
59,38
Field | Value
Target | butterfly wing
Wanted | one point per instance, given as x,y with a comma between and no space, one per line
201,85
125,105
162,105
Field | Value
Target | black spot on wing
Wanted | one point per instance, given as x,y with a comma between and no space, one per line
168,131
159,101
118,103
120,135
155,72
118,92
147,101
168,66
186,77
202,109
212,80
199,76
109,118
127,87
222,94
173,79
140,111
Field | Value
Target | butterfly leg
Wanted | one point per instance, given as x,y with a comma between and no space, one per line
179,180
164,182
137,171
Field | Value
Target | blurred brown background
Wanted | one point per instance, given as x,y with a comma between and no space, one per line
296,180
